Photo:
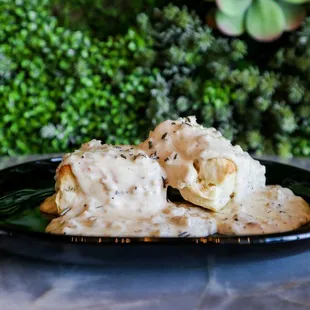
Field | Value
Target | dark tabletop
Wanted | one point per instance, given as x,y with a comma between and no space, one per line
277,283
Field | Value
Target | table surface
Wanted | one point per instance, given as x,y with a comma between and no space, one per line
279,283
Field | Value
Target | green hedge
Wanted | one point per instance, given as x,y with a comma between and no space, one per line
264,110
60,87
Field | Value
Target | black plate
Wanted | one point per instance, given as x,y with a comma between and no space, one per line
22,226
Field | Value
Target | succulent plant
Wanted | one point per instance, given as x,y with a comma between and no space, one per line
264,20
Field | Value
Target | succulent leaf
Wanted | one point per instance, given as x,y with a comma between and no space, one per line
265,20
294,15
233,7
230,25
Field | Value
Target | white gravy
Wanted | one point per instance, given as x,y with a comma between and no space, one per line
182,145
119,190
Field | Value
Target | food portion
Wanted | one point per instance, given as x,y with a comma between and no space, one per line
204,166
173,221
122,180
115,190
49,205
272,209
121,191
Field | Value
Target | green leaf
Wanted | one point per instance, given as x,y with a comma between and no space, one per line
296,1
230,25
265,20
294,15
233,7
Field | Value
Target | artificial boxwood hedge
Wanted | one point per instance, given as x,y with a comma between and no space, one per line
60,86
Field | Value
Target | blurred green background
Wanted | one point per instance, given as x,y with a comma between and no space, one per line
71,71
